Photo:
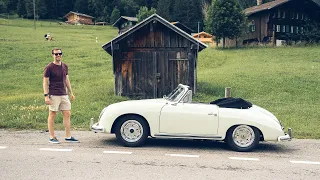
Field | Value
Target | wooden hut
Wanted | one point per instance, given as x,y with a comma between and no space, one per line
124,23
152,58
78,18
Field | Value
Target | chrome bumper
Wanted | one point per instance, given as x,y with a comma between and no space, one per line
97,129
286,137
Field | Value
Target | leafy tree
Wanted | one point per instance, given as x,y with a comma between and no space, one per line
310,31
144,13
225,19
164,9
115,15
188,12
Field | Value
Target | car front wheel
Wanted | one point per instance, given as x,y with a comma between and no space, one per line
243,138
132,131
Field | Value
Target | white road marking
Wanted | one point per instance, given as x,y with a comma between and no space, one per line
51,149
304,162
3,147
116,152
244,159
183,155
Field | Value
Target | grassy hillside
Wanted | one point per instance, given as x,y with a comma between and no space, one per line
283,80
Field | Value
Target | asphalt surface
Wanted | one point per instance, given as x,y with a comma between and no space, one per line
29,155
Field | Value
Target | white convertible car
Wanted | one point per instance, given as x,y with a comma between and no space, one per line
239,123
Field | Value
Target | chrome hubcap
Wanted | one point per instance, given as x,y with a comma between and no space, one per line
131,131
243,136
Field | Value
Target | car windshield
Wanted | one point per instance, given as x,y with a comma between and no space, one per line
176,94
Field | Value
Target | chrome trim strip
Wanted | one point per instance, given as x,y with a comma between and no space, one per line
189,136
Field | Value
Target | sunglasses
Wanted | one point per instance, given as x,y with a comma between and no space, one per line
56,54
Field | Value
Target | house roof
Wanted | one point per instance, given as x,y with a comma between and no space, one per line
133,19
79,14
201,33
269,5
265,6
182,26
107,46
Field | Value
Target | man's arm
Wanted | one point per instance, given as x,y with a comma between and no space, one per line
46,90
72,97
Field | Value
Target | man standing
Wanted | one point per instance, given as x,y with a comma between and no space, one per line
55,83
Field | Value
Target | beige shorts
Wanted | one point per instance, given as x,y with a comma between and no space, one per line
59,103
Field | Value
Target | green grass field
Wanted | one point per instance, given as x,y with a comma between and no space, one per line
283,80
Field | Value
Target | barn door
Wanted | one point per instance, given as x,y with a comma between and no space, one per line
138,77
172,69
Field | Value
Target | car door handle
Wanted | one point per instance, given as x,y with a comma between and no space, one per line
212,114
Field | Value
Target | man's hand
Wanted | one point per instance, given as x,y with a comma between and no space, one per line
72,97
47,100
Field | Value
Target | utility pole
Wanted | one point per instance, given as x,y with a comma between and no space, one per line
34,14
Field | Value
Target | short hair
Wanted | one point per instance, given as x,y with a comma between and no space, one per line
55,49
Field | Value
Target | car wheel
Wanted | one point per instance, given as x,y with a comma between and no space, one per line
243,138
132,131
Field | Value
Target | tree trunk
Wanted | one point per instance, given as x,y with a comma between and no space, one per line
224,42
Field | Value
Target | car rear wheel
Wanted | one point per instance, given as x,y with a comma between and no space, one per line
243,138
132,131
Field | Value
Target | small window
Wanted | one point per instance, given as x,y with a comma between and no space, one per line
301,29
279,13
287,28
253,28
297,29
283,28
274,15
278,28
297,16
283,14
292,15
302,16
292,29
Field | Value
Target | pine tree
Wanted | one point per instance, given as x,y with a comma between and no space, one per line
188,12
164,9
12,5
21,8
81,6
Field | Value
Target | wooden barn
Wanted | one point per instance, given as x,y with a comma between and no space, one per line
152,58
78,18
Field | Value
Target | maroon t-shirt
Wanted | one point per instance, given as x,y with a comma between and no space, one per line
57,77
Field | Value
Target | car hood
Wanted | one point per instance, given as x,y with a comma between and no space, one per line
133,104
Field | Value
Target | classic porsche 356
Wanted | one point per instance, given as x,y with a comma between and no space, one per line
237,122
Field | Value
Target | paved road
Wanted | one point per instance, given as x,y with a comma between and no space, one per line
28,155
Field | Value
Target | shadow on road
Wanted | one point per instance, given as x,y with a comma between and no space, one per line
198,145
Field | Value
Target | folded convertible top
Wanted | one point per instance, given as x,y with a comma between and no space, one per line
231,102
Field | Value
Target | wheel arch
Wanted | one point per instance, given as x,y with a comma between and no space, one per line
129,114
229,129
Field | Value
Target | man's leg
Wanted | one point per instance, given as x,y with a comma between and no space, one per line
66,122
51,117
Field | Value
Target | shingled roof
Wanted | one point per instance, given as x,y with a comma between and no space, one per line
269,5
265,6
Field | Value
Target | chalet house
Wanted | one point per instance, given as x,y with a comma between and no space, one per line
183,27
124,23
152,58
204,37
277,21
78,18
